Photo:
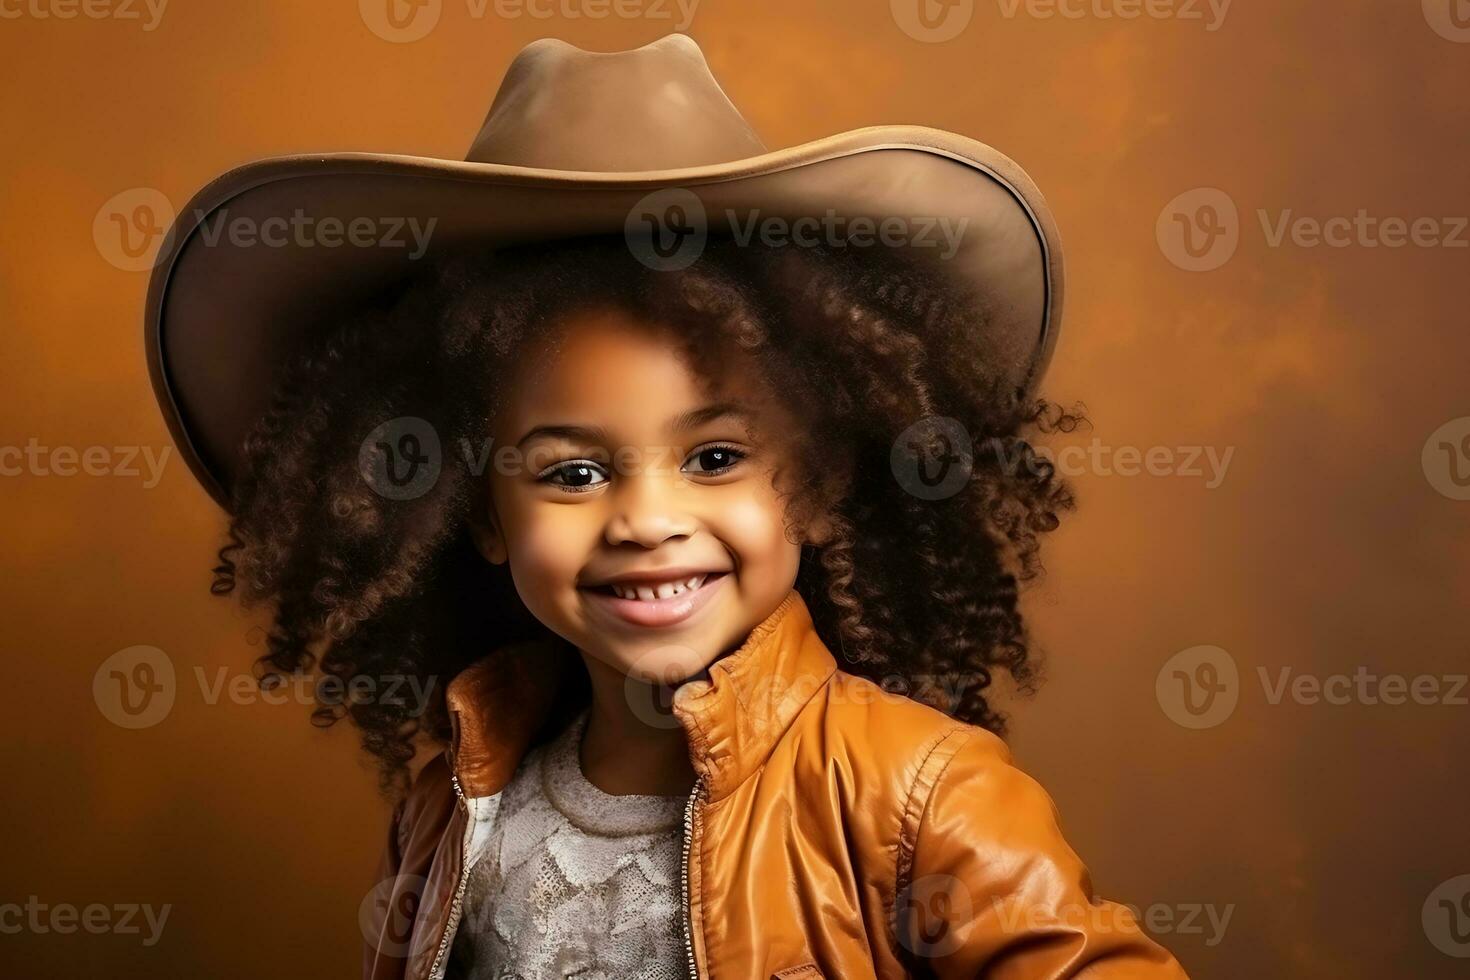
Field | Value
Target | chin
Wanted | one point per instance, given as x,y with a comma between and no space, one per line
662,661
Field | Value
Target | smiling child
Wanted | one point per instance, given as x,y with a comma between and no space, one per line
697,550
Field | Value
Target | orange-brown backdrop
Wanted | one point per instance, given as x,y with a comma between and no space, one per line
1333,835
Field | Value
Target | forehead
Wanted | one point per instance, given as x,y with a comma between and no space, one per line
606,366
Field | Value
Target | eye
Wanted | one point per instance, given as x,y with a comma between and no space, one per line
714,460
574,475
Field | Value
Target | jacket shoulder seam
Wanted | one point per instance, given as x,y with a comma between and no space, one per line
913,809
911,816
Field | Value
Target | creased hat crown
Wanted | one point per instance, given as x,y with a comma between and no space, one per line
657,107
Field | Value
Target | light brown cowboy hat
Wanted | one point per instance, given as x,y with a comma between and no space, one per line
576,142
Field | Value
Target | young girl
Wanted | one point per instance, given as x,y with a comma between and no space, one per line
705,621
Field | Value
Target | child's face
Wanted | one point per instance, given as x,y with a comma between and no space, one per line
651,490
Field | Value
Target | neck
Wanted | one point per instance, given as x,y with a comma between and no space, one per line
633,743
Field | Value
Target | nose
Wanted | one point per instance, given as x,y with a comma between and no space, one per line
647,511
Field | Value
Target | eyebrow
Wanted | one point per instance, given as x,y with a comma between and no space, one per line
682,422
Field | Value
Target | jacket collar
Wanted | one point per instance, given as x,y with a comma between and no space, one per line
732,720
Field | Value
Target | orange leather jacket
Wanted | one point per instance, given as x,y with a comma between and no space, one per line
835,830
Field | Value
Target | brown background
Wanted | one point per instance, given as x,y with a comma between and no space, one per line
1324,549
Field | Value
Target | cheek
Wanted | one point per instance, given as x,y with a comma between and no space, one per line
752,526
546,542
549,541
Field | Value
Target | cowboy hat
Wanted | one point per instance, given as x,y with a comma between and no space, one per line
576,142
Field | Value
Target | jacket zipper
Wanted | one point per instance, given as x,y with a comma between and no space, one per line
457,904
690,816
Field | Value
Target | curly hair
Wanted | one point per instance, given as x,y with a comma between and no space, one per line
917,591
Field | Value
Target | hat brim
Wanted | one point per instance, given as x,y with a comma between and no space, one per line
225,310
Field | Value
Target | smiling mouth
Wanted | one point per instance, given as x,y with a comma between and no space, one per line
650,591
655,602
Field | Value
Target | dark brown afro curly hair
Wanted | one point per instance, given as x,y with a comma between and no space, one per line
915,590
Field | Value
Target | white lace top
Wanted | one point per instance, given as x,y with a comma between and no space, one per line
569,881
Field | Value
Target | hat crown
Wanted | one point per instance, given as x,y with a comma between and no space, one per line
657,107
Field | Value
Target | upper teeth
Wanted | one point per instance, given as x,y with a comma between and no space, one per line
662,590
